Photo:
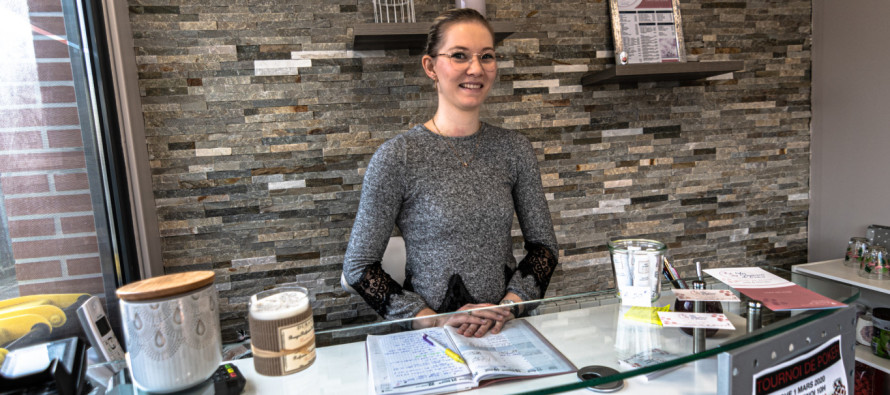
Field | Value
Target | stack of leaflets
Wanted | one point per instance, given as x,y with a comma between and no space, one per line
648,358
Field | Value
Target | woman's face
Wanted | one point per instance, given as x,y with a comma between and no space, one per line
463,86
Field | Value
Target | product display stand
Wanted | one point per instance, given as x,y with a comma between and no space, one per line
874,293
736,368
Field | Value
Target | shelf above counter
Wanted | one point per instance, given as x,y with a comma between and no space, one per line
835,270
371,36
661,72
879,292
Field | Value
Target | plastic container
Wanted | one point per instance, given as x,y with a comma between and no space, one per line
880,341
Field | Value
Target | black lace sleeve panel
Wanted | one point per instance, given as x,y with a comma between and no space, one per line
376,287
539,263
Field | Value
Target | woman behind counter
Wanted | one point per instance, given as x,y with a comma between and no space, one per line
452,186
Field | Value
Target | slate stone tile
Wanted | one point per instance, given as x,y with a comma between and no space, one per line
691,158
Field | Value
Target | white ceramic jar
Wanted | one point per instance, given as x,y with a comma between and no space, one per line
171,330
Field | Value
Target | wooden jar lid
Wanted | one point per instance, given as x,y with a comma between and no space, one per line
165,286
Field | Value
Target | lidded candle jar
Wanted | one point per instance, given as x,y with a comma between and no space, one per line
856,249
874,265
171,330
282,331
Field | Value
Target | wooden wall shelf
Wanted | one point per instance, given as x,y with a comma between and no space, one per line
661,72
369,36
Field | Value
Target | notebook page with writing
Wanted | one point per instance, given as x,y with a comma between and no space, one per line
402,363
517,351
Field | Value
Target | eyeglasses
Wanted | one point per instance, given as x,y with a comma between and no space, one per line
460,60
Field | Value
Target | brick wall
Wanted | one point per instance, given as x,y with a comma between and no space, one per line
45,191
261,119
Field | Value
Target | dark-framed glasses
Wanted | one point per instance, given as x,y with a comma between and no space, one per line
459,59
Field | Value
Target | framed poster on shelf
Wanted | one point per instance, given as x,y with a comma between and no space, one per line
647,31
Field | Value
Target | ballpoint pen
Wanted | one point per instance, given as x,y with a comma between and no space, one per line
435,343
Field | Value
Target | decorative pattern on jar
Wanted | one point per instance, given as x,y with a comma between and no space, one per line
171,330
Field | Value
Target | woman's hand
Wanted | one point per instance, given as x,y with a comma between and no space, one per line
469,324
506,312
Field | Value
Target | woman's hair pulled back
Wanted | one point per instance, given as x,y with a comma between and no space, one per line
440,24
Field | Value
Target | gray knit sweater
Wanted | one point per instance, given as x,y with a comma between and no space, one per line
455,220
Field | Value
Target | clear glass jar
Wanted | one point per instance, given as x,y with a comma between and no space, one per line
856,249
874,265
637,265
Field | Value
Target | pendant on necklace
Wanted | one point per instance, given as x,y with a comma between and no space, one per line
466,164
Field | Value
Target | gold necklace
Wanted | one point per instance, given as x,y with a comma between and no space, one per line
453,149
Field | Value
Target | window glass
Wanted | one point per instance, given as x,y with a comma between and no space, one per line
54,245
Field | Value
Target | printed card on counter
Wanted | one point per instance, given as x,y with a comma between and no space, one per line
695,320
636,296
748,277
706,295
776,293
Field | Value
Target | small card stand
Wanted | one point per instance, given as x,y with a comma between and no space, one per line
698,334
754,320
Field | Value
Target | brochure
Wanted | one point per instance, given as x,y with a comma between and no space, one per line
776,293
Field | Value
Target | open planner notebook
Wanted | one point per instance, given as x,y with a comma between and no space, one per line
403,363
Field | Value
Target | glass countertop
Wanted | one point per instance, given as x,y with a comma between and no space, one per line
590,329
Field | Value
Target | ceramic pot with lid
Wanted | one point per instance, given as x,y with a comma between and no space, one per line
171,330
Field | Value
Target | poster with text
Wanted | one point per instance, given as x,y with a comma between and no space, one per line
647,31
818,372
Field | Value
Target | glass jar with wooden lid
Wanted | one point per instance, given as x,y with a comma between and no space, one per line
171,330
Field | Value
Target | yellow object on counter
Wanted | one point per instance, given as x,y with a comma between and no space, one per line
12,328
648,315
59,300
53,314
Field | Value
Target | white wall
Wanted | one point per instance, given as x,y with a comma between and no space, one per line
850,175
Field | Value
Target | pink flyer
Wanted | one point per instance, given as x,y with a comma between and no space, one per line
776,293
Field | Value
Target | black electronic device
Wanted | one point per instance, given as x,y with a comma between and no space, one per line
54,367
226,380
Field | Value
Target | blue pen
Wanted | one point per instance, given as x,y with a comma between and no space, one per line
448,352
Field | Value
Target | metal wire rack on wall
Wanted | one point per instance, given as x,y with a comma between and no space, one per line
393,11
